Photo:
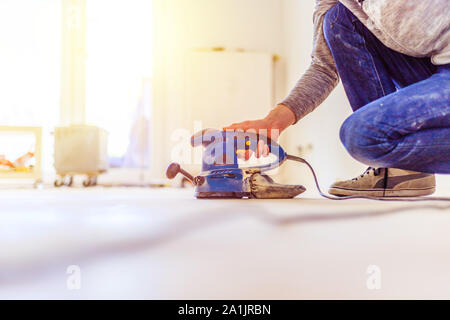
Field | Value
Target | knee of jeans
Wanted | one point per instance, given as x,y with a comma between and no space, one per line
358,140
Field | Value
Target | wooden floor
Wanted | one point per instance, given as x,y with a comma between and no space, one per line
163,244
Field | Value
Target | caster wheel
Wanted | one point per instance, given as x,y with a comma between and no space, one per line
58,183
90,182
87,183
68,181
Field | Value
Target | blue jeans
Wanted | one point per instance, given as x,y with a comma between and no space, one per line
401,104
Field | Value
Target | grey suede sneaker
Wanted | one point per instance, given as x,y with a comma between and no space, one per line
384,182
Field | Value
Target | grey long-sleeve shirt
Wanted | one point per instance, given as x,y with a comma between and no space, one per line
419,28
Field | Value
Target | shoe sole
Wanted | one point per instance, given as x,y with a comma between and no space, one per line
389,193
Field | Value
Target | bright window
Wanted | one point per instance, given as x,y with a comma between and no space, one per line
118,66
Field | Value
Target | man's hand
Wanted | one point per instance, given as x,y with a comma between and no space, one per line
272,125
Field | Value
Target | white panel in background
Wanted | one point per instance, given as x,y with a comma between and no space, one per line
225,87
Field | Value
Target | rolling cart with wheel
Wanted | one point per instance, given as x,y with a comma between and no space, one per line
80,150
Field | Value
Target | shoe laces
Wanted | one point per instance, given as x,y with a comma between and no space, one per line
376,172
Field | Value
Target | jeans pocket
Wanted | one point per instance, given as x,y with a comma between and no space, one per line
335,13
342,16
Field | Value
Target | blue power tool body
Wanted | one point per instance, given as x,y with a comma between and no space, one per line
222,176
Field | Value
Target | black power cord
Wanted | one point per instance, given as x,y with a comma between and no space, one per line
415,199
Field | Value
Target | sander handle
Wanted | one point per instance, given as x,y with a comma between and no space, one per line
237,140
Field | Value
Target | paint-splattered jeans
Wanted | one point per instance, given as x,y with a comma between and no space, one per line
401,104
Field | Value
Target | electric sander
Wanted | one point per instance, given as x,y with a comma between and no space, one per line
223,177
